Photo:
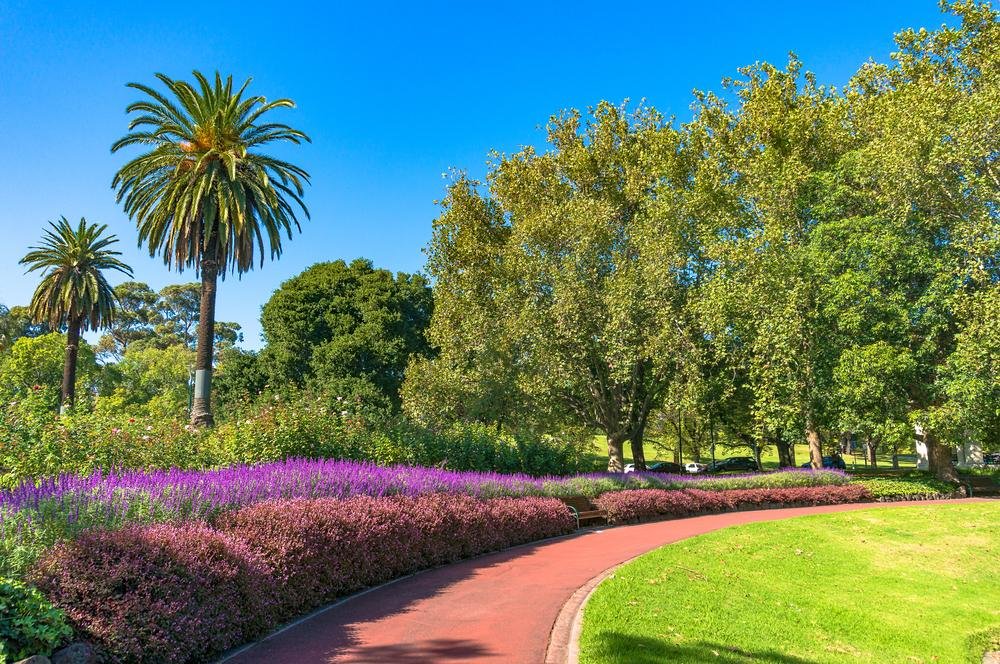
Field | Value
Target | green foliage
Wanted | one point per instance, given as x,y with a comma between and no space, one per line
348,330
15,322
203,154
73,290
29,625
150,380
871,392
561,285
35,444
902,487
160,320
35,364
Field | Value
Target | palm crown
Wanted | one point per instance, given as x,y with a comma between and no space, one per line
73,288
203,192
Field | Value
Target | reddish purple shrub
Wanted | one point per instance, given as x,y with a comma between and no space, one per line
159,593
637,504
319,549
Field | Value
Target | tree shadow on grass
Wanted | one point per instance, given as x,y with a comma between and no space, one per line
615,646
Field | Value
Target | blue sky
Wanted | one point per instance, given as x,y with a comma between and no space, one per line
392,95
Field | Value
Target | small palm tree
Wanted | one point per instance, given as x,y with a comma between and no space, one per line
203,195
73,291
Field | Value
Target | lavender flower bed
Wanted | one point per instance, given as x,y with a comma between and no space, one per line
202,493
35,516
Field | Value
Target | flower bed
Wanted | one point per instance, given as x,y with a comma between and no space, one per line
170,593
637,505
34,516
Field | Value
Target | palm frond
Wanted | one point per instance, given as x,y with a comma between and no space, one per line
203,190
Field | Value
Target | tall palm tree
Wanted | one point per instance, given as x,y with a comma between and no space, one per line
203,195
73,291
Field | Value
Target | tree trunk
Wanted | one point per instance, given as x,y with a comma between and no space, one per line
939,459
679,450
67,395
616,462
784,455
638,453
815,447
872,458
895,456
201,407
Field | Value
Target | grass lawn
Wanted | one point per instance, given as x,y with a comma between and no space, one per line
916,584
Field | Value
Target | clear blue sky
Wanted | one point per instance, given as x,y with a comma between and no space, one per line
392,95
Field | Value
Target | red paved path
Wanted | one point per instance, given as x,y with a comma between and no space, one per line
497,608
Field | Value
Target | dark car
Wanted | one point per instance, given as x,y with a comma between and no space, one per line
664,467
734,465
830,462
992,458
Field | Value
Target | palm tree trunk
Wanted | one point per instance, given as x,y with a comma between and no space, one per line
201,405
68,392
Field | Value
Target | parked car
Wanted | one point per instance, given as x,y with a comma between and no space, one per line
733,465
992,458
658,467
830,462
694,467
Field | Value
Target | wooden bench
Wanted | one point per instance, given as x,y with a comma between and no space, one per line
585,513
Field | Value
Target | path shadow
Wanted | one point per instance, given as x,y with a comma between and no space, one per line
334,634
615,646
434,650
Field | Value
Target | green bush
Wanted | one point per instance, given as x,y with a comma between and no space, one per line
34,443
917,486
29,625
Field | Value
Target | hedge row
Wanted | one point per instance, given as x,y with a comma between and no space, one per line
639,504
169,593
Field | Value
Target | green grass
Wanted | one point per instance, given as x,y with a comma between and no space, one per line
915,584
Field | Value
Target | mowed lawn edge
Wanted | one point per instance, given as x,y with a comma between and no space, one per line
915,584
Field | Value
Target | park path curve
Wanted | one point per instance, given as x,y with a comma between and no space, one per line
502,607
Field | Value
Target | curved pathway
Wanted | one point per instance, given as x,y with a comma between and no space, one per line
502,607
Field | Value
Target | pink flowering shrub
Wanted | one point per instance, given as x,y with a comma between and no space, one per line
169,593
159,593
638,504
319,549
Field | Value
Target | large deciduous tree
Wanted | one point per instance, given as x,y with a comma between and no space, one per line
568,275
74,291
204,195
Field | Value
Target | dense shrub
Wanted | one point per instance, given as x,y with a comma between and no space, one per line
167,593
624,506
320,549
29,624
904,487
158,593
34,444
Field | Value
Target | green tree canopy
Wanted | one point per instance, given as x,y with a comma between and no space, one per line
347,329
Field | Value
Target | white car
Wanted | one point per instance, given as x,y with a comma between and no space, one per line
693,467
